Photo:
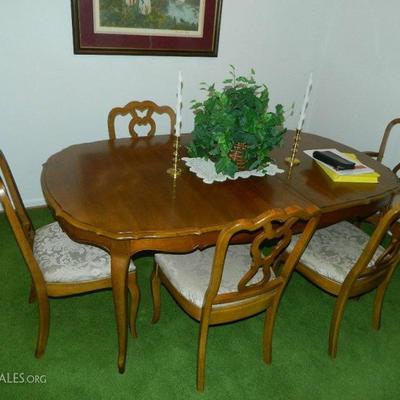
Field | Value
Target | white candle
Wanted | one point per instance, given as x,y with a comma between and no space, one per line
305,104
179,105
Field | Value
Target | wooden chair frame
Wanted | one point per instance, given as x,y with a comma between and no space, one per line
41,290
248,300
132,108
379,154
374,219
362,279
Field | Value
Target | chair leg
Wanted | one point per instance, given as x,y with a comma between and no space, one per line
335,323
378,301
156,293
269,322
135,299
32,294
201,355
44,318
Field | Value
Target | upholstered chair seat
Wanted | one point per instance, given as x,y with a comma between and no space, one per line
62,260
333,251
190,273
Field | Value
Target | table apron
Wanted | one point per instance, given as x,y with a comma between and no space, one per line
192,241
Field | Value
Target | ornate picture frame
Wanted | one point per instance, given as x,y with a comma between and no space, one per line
146,27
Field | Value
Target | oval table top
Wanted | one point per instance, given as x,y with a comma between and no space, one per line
119,189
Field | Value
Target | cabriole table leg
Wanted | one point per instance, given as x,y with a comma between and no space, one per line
119,270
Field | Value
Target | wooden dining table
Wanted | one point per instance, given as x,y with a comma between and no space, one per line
116,194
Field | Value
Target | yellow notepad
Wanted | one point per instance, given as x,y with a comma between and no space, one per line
370,177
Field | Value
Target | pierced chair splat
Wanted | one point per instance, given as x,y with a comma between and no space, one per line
146,109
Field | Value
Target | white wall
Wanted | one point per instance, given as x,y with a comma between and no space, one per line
358,89
51,98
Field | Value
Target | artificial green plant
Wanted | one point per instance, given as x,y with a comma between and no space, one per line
236,114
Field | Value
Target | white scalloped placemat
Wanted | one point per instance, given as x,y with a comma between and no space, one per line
205,170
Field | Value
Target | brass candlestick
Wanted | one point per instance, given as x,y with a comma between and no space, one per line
292,160
175,171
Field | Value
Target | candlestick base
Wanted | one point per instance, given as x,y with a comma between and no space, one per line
289,161
174,172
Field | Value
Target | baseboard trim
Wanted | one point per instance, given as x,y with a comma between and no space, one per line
35,203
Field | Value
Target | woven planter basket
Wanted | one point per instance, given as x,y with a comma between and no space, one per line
237,155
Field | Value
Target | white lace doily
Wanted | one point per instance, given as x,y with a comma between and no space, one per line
205,169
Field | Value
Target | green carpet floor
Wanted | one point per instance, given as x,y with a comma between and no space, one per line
80,359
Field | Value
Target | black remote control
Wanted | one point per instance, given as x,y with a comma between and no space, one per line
334,160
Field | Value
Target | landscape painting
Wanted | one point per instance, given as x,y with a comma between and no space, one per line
150,17
146,27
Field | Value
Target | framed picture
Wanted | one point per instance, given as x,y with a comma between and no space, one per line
146,27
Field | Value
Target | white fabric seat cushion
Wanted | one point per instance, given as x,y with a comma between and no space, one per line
190,273
333,251
62,260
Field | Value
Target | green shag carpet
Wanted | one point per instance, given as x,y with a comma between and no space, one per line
81,356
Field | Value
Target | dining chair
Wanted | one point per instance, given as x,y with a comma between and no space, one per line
230,282
57,265
379,157
146,109
380,154
346,262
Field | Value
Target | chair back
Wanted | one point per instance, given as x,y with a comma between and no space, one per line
272,233
388,228
380,154
385,138
19,220
15,199
148,108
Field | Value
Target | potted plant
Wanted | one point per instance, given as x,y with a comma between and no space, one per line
233,127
